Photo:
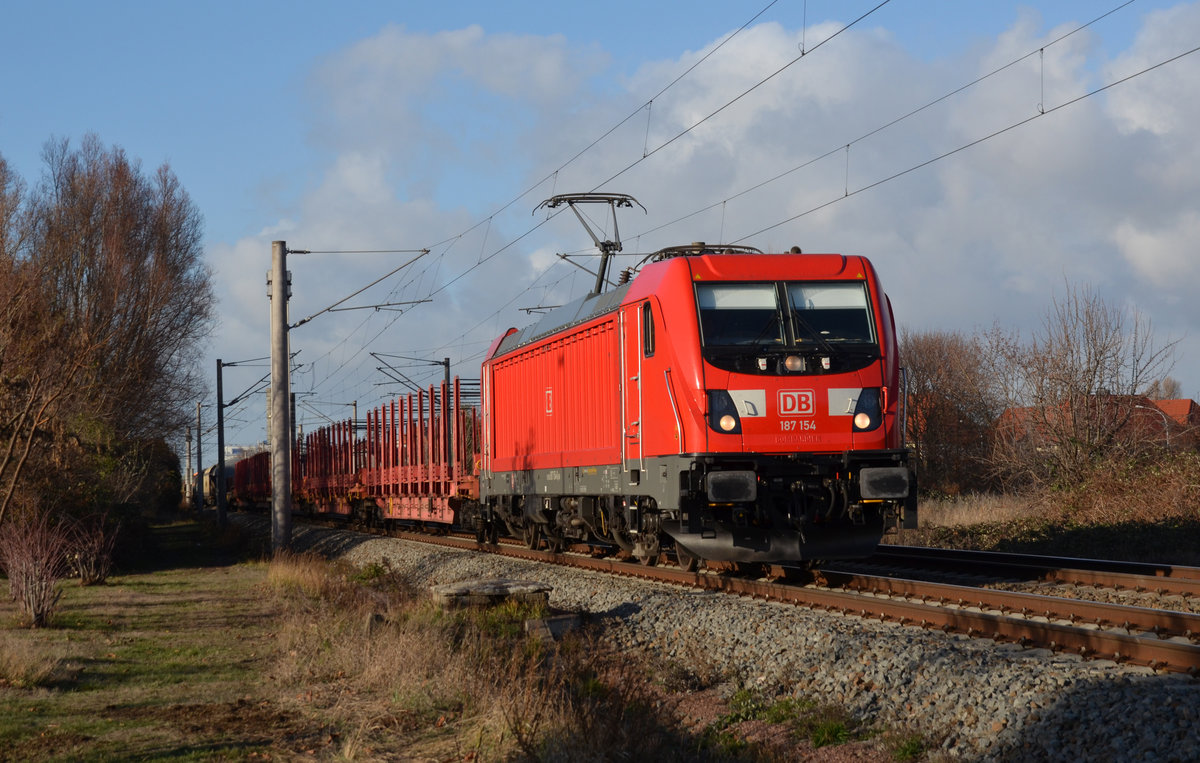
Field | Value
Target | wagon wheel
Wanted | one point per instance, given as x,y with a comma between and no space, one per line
687,559
532,535
487,532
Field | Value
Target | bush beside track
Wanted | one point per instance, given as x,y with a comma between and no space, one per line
1144,509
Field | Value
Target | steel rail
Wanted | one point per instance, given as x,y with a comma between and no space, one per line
1161,622
1119,575
1139,649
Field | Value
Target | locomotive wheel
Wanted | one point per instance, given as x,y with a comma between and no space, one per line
647,552
688,561
555,542
532,535
623,540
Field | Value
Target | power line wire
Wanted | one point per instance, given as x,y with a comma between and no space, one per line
871,133
965,146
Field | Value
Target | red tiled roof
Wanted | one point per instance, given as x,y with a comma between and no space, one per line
1184,412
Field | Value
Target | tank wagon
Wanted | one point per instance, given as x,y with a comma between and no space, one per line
731,405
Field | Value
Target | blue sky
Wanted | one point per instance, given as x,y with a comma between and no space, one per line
396,125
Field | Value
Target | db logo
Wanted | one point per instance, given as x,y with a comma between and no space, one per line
796,402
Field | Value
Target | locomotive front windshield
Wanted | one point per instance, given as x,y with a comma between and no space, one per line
740,321
830,312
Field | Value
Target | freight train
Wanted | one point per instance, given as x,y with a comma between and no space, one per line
721,403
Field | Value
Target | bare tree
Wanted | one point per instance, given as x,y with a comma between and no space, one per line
1165,388
123,255
38,370
12,194
105,299
951,407
1073,388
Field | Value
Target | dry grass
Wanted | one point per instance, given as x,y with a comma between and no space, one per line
1142,509
303,574
402,678
373,657
376,660
974,509
26,663
1115,492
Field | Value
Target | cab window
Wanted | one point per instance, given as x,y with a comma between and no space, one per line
739,314
830,312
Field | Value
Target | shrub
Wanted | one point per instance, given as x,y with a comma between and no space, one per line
93,541
24,664
34,552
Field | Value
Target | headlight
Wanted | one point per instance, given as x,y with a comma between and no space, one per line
793,363
868,413
722,413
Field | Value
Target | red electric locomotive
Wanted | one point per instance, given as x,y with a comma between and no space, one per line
734,405
741,406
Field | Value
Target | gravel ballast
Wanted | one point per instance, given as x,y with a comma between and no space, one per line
978,699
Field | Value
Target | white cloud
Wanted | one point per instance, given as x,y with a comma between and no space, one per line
403,93
1168,256
1162,104
1096,192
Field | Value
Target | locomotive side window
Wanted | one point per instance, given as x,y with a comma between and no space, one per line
739,314
830,312
647,331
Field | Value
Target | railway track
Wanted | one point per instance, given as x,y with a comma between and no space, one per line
1157,638
1161,639
1162,579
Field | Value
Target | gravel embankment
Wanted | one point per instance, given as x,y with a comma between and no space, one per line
984,701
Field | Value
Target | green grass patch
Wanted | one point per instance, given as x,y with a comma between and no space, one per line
161,663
